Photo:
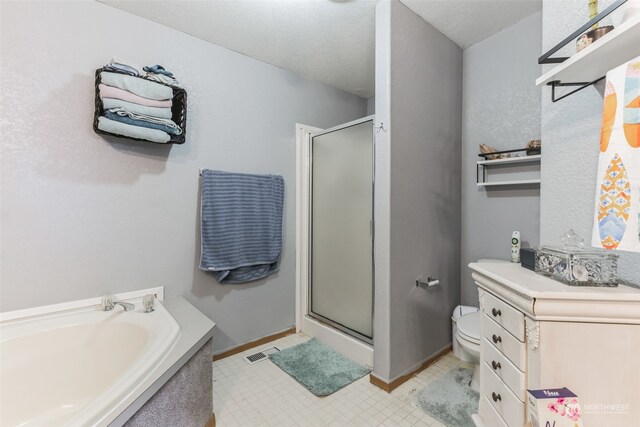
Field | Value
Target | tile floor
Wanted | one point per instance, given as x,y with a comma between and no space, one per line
263,395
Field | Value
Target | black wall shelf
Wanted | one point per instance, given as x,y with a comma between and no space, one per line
590,65
178,110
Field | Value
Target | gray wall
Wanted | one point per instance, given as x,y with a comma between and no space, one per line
371,106
501,108
82,215
425,146
571,135
381,203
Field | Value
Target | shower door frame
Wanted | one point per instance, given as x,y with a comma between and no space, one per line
335,324
337,336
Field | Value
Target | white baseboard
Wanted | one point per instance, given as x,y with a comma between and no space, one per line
416,366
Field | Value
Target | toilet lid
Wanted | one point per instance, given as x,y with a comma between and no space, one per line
469,326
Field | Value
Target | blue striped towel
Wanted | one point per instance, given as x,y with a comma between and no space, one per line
241,225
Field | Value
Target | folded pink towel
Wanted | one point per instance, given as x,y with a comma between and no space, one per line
114,92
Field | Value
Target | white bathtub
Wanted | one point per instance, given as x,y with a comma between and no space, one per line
71,368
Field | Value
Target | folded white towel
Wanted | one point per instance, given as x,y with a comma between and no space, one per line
141,87
161,112
121,61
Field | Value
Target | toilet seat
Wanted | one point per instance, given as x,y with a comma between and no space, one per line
469,327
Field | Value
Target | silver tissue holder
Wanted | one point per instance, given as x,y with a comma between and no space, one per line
576,265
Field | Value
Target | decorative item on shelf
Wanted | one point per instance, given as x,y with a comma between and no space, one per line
599,32
534,147
489,152
141,104
591,36
582,42
596,32
574,264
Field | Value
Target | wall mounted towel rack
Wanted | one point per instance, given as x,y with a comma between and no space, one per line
178,110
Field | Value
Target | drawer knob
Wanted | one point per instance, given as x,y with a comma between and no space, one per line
495,396
495,365
496,339
496,312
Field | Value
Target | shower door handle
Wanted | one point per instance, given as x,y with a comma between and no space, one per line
372,229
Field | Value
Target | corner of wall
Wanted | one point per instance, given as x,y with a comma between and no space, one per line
425,102
382,350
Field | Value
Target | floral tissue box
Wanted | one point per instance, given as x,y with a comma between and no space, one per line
557,407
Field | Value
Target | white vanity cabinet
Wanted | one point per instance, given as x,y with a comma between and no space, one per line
539,333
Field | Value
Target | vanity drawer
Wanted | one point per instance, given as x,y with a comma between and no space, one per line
508,406
505,315
507,371
489,415
513,349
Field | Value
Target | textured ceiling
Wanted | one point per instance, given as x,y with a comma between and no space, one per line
330,41
467,22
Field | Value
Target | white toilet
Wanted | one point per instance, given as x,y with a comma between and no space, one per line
468,343
466,330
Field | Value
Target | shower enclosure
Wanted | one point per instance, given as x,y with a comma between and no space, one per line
335,235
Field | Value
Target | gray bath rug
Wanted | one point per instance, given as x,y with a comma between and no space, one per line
317,367
450,400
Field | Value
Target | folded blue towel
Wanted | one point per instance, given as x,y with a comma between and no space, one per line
121,68
157,69
173,130
124,129
161,112
241,225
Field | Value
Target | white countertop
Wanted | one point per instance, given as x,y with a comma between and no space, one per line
195,330
535,286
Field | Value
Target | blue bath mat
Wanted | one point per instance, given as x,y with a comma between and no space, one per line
316,366
450,400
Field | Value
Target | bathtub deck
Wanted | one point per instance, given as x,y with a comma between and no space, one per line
263,395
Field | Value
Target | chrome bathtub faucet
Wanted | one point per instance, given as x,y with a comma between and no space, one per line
109,303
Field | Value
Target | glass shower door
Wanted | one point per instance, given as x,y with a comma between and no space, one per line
341,282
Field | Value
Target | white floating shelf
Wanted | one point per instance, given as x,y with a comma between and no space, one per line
523,159
617,47
499,183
